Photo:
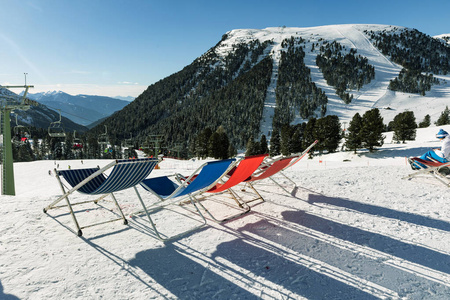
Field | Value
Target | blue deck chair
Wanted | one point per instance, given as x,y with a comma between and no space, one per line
169,192
92,181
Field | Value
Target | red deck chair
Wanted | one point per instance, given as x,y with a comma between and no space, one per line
237,175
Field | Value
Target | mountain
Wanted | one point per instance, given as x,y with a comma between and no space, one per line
127,98
255,80
39,115
445,37
82,109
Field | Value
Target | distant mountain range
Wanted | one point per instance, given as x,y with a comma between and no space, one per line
81,109
39,116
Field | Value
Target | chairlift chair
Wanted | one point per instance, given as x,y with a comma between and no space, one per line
103,138
77,143
56,129
128,143
21,134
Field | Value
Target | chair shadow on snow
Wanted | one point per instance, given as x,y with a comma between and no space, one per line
178,272
268,259
410,252
380,211
6,296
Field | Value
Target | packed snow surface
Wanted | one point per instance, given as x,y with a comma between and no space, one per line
354,229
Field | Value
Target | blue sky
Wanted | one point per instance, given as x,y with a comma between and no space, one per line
119,47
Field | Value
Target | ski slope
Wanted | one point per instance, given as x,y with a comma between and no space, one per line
373,95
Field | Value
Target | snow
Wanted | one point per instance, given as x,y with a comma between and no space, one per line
354,229
373,95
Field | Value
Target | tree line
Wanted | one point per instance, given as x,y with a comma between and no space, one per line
344,71
363,132
296,93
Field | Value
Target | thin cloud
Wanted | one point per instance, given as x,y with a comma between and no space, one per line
128,82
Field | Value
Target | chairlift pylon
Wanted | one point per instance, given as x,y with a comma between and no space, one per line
56,129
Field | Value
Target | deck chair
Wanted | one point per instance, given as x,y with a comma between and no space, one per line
238,174
170,192
296,159
275,166
92,181
432,168
264,172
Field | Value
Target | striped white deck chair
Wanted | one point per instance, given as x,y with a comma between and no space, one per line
92,181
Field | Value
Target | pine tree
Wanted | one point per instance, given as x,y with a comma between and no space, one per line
231,151
275,145
372,129
263,145
286,134
405,126
250,148
67,149
353,140
224,143
213,145
201,145
297,146
328,131
444,118
308,135
218,144
426,122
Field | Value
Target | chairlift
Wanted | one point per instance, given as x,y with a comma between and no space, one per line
21,134
128,143
103,138
77,143
56,129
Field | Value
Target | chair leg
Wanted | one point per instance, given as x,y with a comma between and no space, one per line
78,232
157,233
246,210
441,177
125,222
279,185
256,192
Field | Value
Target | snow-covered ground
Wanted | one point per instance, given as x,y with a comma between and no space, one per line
354,229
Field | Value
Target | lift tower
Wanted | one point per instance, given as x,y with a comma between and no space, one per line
7,104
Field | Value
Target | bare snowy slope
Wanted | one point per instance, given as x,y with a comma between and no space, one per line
373,95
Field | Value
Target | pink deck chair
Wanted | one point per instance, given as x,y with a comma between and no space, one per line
277,166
